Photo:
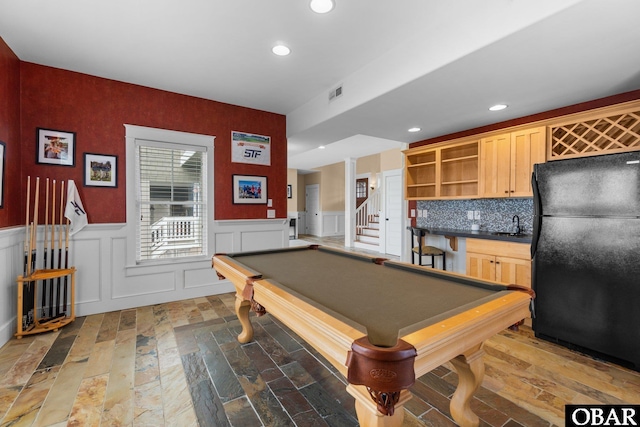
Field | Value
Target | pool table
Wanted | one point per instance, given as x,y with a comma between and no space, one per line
380,323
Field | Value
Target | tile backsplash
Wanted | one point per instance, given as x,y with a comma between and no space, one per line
495,214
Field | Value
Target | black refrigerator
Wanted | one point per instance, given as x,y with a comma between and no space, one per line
586,255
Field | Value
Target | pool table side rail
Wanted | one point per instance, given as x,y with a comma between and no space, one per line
241,276
335,251
445,340
447,275
268,251
227,267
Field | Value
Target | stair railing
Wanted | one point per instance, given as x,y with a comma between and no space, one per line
368,210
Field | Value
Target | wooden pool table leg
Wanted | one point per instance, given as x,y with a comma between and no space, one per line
470,368
367,411
242,311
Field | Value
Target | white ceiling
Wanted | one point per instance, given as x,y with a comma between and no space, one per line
436,64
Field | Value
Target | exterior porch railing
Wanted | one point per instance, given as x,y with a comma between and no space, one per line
172,232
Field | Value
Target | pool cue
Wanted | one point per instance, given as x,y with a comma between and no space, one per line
53,245
66,265
46,247
59,250
26,229
34,246
27,250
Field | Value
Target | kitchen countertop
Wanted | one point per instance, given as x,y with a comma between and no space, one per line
488,235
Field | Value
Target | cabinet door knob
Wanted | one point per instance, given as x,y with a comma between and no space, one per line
506,191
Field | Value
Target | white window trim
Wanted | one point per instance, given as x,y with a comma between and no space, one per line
133,133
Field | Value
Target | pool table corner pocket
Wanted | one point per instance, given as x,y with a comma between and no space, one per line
384,371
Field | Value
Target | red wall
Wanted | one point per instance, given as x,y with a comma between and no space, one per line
12,211
96,110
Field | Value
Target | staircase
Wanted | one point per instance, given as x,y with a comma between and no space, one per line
368,223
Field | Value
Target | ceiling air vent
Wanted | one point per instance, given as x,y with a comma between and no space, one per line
335,93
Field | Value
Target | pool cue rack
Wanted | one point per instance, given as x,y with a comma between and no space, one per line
36,324
48,282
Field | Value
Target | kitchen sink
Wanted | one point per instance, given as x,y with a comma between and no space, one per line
506,233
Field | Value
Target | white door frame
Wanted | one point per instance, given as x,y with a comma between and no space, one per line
349,201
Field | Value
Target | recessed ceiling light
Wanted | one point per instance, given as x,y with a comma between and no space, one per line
498,107
281,50
322,6
322,147
416,129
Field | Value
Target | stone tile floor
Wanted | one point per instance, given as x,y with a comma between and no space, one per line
179,364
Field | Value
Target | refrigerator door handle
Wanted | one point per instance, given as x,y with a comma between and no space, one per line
537,214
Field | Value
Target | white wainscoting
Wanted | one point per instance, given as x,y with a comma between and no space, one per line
11,266
105,282
332,223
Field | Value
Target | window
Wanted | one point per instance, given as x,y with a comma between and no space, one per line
170,198
361,188
170,202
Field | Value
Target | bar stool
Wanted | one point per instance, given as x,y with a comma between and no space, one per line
425,250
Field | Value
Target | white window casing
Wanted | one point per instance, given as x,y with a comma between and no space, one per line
169,195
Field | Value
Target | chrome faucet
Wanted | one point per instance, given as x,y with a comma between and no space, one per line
516,220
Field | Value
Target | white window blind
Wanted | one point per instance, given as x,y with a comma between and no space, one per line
171,199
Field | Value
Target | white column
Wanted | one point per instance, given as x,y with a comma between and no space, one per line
349,201
406,240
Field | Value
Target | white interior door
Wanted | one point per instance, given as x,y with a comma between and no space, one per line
312,209
393,212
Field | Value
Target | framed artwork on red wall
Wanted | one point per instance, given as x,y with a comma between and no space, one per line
55,147
250,148
249,190
100,170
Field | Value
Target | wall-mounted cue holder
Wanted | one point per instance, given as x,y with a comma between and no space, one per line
46,290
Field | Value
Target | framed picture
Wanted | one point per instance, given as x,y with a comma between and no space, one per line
250,190
55,147
289,192
250,148
100,170
2,150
